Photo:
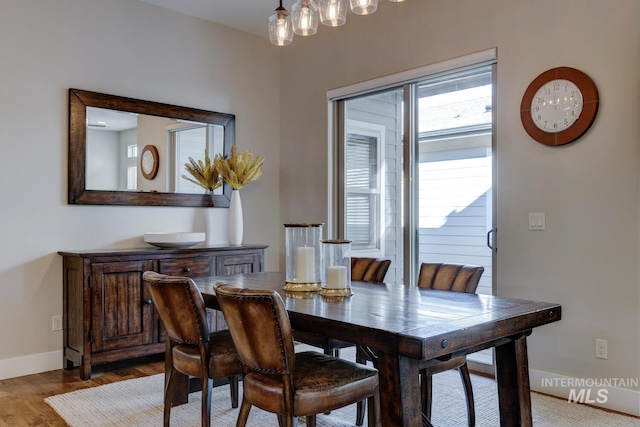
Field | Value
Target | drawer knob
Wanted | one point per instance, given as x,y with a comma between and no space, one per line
148,302
187,269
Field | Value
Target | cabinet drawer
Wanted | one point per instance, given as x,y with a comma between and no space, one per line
187,267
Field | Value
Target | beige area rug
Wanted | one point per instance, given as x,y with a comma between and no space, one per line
138,402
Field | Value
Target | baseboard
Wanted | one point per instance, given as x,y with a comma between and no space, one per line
607,393
31,364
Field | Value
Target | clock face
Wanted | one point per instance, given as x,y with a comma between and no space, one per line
559,106
147,162
556,106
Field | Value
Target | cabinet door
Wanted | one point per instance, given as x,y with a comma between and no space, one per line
238,264
122,312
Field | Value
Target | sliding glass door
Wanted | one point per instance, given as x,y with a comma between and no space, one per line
414,174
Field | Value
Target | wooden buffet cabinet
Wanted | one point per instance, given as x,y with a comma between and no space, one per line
108,314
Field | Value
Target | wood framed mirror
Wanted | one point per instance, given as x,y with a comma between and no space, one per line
108,133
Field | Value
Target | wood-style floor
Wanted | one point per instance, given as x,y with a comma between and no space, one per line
22,399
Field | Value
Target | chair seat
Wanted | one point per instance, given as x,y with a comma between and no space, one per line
223,362
322,383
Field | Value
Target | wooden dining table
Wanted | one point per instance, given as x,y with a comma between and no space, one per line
404,326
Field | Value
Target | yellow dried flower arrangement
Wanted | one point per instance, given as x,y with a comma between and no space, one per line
239,170
205,174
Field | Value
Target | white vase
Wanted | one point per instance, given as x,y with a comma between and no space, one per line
235,219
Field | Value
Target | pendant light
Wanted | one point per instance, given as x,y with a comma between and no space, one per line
364,7
305,17
280,27
333,12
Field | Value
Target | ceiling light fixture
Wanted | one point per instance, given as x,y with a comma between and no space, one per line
305,17
280,27
305,13
364,7
333,13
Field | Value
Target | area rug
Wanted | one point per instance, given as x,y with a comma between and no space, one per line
138,402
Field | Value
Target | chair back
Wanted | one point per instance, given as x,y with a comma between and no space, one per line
260,327
180,306
369,269
450,277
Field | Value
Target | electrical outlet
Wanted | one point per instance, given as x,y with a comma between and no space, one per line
56,323
601,349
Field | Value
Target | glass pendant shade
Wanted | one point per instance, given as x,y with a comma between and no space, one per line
333,12
305,17
364,7
280,27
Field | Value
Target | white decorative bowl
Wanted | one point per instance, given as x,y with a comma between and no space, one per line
173,240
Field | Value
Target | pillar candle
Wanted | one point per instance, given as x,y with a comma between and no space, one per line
305,265
337,277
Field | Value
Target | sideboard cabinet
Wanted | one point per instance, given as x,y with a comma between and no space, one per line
108,314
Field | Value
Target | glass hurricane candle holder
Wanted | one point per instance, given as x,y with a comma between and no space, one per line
303,251
337,268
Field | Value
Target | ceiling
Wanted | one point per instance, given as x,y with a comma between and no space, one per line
245,15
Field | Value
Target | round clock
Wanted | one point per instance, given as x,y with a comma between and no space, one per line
559,106
149,161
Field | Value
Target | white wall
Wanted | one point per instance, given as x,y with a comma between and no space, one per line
103,151
587,259
126,48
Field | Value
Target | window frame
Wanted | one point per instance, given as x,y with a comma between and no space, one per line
377,133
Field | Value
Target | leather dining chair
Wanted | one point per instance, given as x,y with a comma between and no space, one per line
194,350
279,380
371,270
457,278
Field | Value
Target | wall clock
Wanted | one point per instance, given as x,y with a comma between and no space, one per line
559,106
149,160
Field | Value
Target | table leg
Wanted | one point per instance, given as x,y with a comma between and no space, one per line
399,391
512,372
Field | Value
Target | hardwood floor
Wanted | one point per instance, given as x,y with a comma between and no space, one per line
22,399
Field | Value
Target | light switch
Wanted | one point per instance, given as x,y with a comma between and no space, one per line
536,221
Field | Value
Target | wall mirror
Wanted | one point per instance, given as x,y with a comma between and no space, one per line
125,151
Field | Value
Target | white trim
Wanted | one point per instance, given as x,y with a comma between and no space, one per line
31,364
617,399
484,57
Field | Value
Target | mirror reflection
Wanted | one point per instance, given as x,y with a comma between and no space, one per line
125,151
116,140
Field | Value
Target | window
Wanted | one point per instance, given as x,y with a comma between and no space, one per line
190,140
363,185
132,177
132,167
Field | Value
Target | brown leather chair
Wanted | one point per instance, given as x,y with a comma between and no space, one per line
457,278
194,350
277,379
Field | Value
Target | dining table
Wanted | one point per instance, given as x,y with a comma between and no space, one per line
405,327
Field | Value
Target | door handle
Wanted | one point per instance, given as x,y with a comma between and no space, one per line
490,235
